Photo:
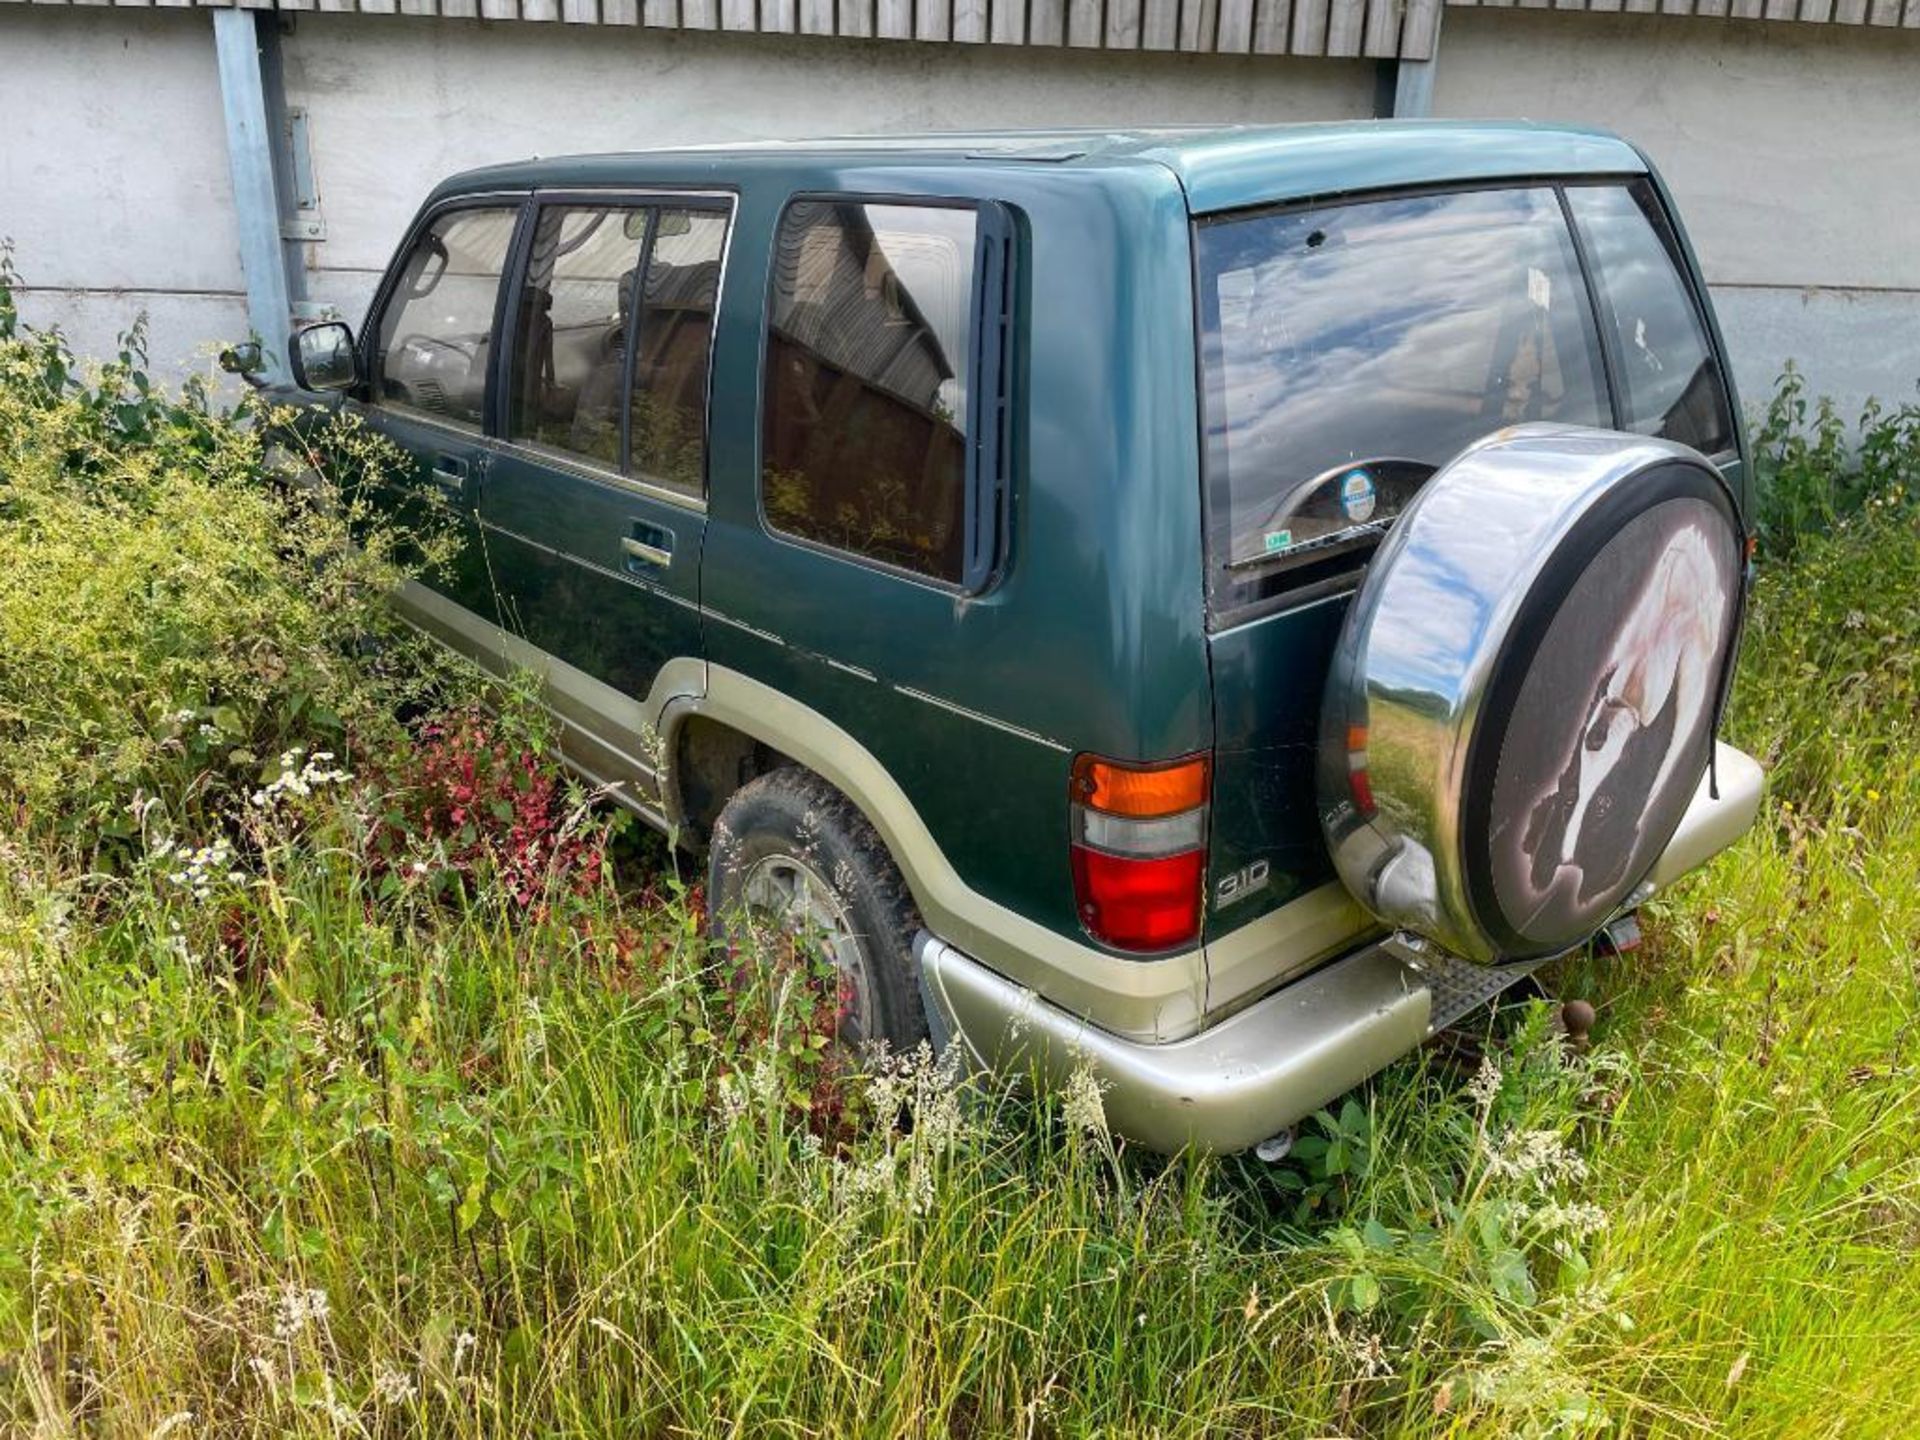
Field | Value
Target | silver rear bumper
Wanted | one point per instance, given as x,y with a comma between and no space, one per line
1709,825
1253,1074
1231,1086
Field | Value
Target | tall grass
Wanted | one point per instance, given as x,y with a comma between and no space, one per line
316,1119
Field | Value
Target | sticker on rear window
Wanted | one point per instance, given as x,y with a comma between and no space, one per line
1357,496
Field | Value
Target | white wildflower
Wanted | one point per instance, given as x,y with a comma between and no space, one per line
1484,1088
906,1173
394,1387
197,870
1577,1220
300,775
731,1101
296,1309
462,1344
1539,1158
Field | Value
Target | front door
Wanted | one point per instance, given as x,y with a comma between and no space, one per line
430,357
593,509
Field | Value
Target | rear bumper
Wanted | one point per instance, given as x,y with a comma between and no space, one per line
1229,1087
1711,823
1262,1069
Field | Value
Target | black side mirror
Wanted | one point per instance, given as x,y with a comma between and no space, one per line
245,359
323,357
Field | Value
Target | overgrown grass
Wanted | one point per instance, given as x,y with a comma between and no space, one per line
363,1127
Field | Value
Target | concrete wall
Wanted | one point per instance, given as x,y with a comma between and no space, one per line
1794,148
113,178
113,172
397,105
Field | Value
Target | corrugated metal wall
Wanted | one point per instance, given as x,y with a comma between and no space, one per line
1818,12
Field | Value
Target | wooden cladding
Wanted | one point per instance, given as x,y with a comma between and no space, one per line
1358,29
1819,12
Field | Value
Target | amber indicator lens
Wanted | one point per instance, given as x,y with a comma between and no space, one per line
1142,793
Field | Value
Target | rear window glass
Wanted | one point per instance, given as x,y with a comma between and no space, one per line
1351,350
868,348
1670,384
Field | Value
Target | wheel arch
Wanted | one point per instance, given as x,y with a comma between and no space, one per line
1148,999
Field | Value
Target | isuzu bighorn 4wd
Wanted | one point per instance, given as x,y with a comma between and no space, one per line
1209,606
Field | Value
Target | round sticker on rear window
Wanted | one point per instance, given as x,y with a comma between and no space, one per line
1357,496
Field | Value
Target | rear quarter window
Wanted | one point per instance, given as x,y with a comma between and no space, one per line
869,352
1670,384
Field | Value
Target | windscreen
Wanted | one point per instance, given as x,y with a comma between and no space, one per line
1348,351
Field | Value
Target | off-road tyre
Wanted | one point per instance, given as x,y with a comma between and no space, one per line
792,812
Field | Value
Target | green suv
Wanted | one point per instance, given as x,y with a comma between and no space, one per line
1207,606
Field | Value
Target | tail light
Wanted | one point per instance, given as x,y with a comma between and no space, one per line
1140,850
1358,781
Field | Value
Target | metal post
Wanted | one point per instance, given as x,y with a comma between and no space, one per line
1413,90
1413,79
240,37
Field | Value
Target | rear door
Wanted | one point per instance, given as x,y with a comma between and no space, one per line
1348,350
594,507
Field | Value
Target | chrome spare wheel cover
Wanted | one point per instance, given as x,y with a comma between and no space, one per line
1522,702
790,897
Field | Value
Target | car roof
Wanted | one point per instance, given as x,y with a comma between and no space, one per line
1218,168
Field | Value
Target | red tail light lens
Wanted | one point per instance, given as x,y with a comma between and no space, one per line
1358,780
1139,851
1142,905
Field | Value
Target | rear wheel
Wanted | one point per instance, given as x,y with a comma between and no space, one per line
794,859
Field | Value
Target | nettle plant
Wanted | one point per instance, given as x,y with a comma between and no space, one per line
1814,471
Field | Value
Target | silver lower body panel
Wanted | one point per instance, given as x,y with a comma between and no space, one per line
1229,1087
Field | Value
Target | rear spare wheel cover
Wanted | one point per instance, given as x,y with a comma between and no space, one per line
1522,701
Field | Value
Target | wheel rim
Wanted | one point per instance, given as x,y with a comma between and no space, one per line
791,898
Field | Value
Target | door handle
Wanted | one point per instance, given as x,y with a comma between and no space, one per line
641,553
450,474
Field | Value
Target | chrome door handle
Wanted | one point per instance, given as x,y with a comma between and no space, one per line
637,549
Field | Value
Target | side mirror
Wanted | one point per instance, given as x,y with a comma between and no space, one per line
245,359
323,357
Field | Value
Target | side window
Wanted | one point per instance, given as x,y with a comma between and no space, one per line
1670,382
436,332
674,338
868,356
618,302
570,330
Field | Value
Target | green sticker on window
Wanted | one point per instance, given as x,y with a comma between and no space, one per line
1278,540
